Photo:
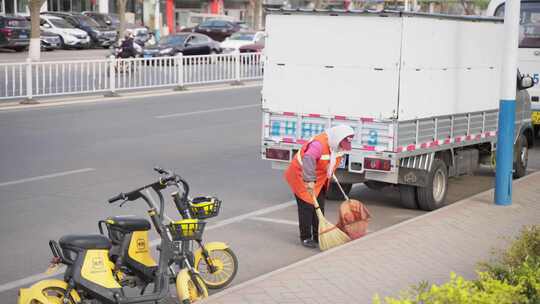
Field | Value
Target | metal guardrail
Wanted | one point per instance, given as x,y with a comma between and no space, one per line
39,79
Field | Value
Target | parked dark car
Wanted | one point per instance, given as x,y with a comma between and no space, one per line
141,33
106,20
102,36
185,43
50,41
14,33
218,29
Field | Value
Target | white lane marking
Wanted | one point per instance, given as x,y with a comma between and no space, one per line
242,217
208,111
41,276
31,279
31,179
272,220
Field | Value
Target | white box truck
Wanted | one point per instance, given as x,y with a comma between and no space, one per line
421,92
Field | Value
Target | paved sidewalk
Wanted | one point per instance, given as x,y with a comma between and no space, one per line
427,247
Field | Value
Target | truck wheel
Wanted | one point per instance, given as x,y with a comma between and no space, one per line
521,157
433,196
408,198
333,192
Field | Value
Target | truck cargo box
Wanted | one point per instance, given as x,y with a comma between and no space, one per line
385,66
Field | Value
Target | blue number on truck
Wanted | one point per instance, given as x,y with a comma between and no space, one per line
373,137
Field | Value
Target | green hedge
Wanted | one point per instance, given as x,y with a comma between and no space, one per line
513,277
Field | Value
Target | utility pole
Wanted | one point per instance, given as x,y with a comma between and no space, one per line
507,105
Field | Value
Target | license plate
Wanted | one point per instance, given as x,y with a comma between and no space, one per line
22,36
535,118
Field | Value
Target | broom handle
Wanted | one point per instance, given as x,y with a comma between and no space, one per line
317,207
345,195
315,202
339,185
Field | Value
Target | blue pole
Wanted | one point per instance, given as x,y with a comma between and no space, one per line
507,105
505,152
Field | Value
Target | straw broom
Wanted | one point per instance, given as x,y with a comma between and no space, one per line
329,235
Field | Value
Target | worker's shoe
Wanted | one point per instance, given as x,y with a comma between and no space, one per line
309,243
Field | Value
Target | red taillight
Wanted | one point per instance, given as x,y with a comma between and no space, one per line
7,31
377,164
278,154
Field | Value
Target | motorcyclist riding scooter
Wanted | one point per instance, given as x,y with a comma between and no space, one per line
127,47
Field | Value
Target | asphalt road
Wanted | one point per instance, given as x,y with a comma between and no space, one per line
59,165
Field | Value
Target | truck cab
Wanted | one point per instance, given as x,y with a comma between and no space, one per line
529,48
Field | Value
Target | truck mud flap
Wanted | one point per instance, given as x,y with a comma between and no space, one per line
413,177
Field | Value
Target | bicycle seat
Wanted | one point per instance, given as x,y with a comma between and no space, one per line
129,223
89,241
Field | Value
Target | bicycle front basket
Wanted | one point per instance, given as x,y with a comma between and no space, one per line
187,230
205,207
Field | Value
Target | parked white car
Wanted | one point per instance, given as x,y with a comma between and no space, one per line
70,36
239,39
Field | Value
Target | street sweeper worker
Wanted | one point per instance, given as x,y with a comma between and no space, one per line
310,172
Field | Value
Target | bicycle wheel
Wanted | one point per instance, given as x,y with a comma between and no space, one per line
51,295
47,292
226,266
190,291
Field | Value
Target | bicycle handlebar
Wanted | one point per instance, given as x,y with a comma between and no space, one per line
116,198
177,180
168,178
136,194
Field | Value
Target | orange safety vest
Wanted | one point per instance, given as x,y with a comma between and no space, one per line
294,174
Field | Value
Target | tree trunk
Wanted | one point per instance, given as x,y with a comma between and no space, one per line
34,51
257,15
121,5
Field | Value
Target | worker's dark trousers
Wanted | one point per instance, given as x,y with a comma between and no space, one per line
307,218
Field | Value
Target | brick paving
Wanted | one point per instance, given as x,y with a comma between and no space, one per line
425,248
